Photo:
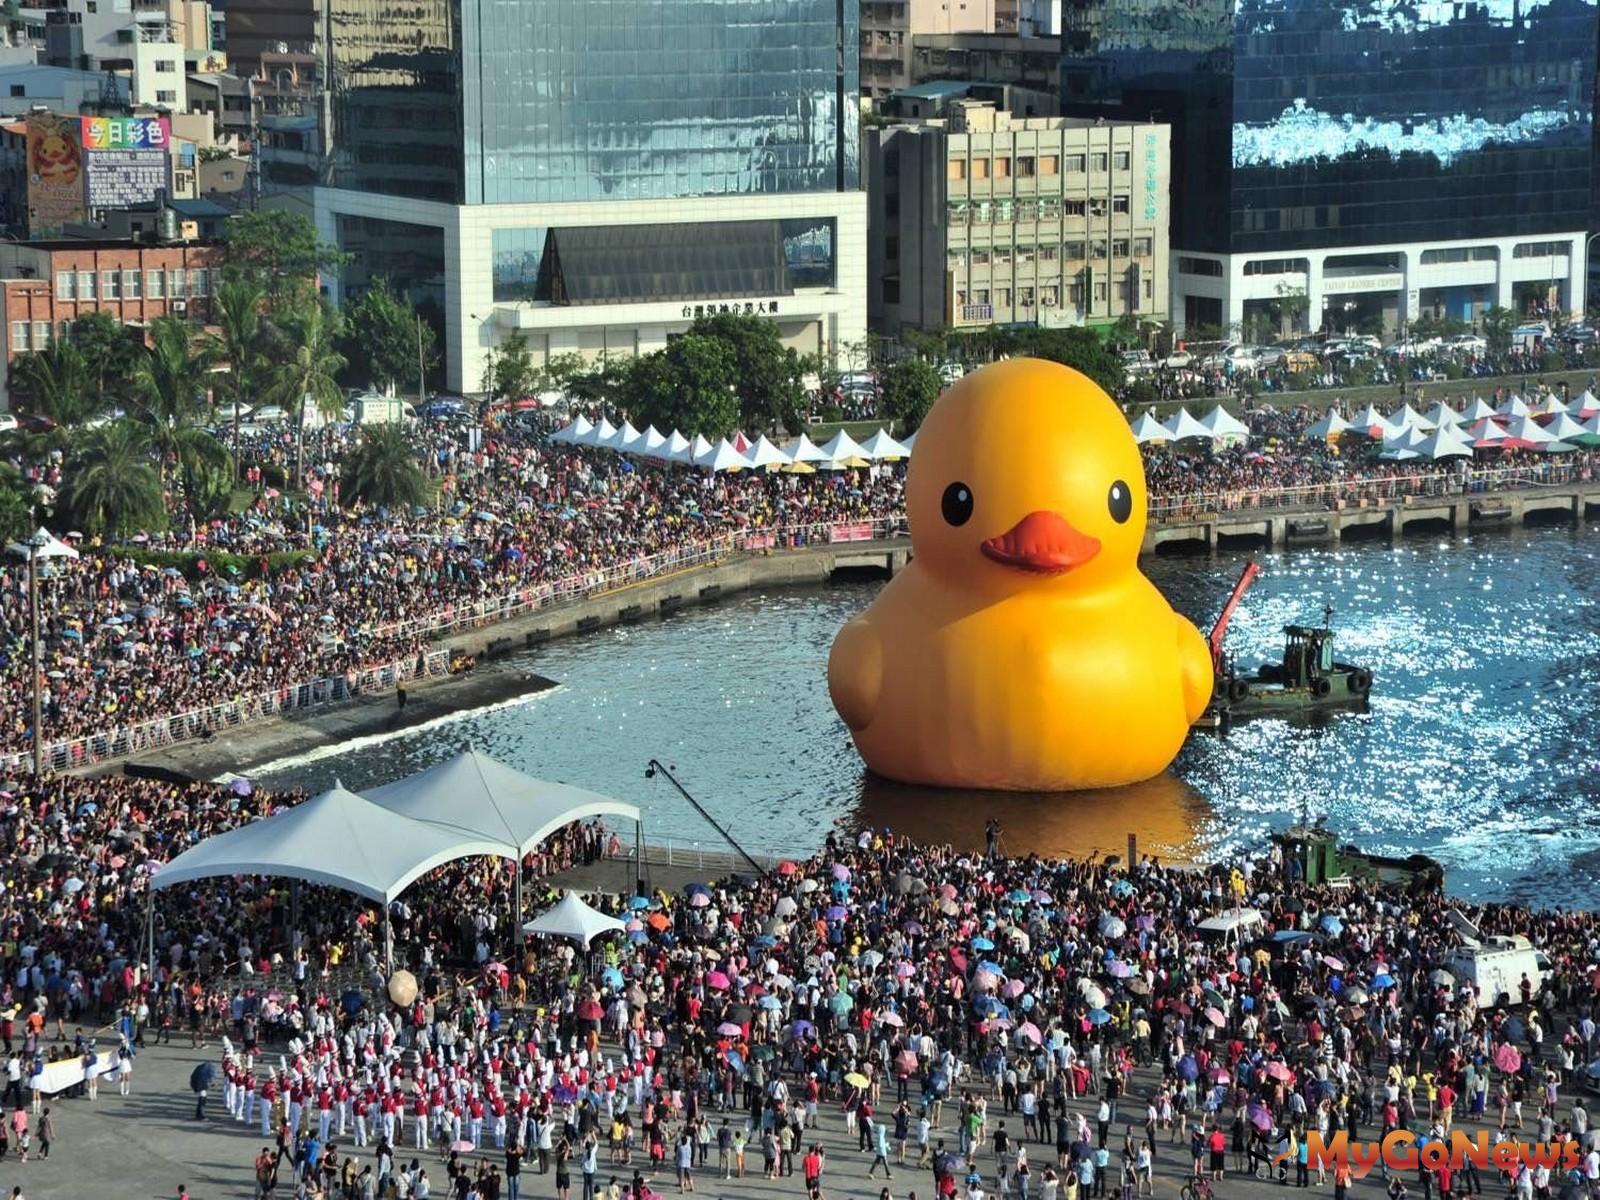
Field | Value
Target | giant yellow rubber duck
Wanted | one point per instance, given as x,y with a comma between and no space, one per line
1021,648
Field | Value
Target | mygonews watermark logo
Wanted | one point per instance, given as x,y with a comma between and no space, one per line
1402,1150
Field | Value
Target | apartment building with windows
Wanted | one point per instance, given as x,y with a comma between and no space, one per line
889,27
983,218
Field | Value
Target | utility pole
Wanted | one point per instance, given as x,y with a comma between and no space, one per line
38,702
422,368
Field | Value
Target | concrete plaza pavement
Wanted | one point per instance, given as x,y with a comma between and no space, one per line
143,1146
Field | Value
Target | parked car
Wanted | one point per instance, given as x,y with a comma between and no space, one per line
1179,359
1466,343
1137,362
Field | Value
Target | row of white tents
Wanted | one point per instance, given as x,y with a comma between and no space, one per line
738,453
1445,432
1218,425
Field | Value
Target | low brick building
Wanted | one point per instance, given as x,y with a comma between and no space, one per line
46,286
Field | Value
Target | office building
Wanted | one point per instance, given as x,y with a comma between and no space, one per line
1031,66
592,174
983,218
257,29
888,28
1378,159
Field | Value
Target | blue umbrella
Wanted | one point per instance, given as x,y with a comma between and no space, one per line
1187,1067
200,1078
1382,980
73,634
770,1002
352,1002
993,968
148,611
639,902
735,1060
982,943
765,942
988,1006
1121,887
1099,1016
837,912
689,889
1331,925
185,602
611,977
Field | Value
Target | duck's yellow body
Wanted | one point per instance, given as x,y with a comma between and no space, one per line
1022,648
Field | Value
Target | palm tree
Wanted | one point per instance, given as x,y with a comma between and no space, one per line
308,368
383,470
111,486
57,383
238,311
171,398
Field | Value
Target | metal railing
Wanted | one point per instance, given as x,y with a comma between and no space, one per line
70,754
1180,506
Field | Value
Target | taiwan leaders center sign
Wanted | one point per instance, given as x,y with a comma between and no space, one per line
126,160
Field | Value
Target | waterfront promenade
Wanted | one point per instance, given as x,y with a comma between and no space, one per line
256,728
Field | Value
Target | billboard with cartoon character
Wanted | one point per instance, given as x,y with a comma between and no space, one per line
55,174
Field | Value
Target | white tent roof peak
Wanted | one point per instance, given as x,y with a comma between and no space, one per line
654,439
841,446
1181,426
1477,411
699,449
880,446
1147,429
1406,417
474,795
1221,423
574,432
1331,425
803,449
676,449
42,544
765,454
573,918
724,457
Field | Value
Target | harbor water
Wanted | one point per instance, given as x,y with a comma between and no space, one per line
1481,745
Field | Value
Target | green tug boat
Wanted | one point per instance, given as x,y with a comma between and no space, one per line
1306,681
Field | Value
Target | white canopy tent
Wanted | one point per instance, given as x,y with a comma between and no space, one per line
1183,426
1478,410
1401,444
628,439
1371,422
1525,429
1563,428
1331,425
1441,415
1550,406
575,920
1444,442
699,450
1147,429
1585,406
724,457
910,443
676,449
1224,426
1513,406
880,447
765,454
803,450
654,439
1486,434
602,434
336,838
842,446
575,432
1406,417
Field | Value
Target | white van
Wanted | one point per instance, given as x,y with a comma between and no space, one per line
1233,929
1494,969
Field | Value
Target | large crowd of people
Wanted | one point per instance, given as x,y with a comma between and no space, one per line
328,591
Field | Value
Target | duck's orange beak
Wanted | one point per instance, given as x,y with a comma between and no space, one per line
1044,542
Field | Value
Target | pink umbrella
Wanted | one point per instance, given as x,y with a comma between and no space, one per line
699,900
1277,1070
1013,989
1218,1075
729,1029
840,871
985,982
1120,969
947,890
717,980
462,1147
891,1018
1335,963
904,970
1030,1031
1001,1023
1508,1058
1214,1015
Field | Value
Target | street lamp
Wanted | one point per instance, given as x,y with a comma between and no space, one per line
39,549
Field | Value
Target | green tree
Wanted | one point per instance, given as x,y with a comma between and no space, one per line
769,373
280,251
55,383
111,352
111,486
1080,349
1498,324
910,386
560,369
511,373
238,341
689,386
16,513
380,342
307,368
382,470
171,400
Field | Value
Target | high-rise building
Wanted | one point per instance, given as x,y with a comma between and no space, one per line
1366,160
594,174
889,26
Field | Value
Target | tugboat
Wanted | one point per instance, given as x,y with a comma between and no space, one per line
1305,680
1313,854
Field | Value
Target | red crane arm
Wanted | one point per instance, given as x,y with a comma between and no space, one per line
1220,629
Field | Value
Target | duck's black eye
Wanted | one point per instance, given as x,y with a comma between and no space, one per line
1120,501
957,503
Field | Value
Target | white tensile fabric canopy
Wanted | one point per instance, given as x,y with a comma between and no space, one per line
1486,433
1220,423
575,432
803,449
629,440
765,454
1182,426
1526,429
1147,429
1444,442
1564,428
1401,444
572,918
1477,411
910,443
1513,406
1371,422
1441,414
1331,425
1406,417
1550,406
699,449
880,447
724,457
842,446
42,544
654,439
476,796
676,449
1585,405
337,838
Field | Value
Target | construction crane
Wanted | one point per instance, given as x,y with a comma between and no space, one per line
1220,629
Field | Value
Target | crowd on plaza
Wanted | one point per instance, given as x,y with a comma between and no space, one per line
328,592
1013,1027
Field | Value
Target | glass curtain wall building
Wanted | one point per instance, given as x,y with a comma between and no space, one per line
510,123
1385,157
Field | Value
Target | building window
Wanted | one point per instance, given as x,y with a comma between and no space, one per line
1074,208
1049,164
131,281
1025,297
1097,206
1027,210
165,66
216,279
982,213
980,168
1119,247
1121,160
1097,163
1002,167
1142,247
1049,253
1026,167
200,282
111,285
66,285
1002,256
1002,297
1024,255
891,247
175,285
41,334
153,285
980,295
1119,204
1100,292
1049,297
956,169
86,285
980,257
891,291
1541,250
19,337
1199,266
1075,162
1050,209
1073,250
1097,248
166,97
1004,212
